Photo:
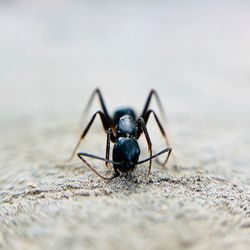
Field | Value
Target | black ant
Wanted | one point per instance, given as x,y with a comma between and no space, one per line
124,129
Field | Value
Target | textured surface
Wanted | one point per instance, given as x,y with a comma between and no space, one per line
52,56
202,201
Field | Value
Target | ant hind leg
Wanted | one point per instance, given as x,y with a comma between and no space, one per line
160,106
106,125
96,92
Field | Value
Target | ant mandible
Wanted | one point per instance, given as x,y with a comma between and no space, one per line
123,129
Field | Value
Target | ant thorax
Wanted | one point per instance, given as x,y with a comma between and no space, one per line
126,127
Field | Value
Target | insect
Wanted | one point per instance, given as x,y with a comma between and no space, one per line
123,129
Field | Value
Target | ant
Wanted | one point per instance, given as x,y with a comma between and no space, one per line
123,129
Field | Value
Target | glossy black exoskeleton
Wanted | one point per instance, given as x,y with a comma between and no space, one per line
124,129
126,151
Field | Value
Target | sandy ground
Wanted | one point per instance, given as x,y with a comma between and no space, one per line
201,201
51,60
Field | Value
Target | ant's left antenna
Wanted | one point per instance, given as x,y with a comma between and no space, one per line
97,157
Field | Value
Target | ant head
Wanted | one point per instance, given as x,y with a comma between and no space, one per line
126,126
126,151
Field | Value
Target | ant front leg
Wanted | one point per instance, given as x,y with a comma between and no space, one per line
109,133
163,132
106,125
142,127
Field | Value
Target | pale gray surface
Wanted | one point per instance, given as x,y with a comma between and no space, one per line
53,54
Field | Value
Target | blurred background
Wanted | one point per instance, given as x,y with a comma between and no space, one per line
195,54
53,54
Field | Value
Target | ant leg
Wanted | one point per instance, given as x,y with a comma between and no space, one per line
103,105
146,106
108,146
105,123
163,132
95,171
142,124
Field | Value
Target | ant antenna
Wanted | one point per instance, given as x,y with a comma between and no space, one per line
97,157
169,149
